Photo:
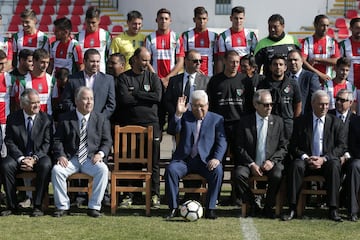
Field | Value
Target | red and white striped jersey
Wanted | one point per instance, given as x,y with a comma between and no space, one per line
6,46
351,49
5,91
164,48
66,55
243,42
99,40
204,43
326,47
333,88
44,85
30,41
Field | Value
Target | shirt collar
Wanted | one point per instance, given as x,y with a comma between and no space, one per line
26,116
315,117
80,116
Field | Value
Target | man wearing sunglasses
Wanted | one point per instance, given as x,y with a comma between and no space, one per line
260,148
340,81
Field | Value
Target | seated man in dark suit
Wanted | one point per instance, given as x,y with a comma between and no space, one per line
81,143
201,149
28,138
317,143
260,148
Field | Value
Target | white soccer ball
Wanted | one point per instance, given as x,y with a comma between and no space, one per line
191,210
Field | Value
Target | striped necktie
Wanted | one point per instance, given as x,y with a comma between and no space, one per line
82,155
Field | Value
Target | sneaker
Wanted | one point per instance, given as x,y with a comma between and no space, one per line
27,203
155,202
126,202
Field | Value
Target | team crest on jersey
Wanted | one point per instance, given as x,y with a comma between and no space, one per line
70,55
239,92
202,42
40,87
147,87
92,42
238,40
320,49
61,52
103,43
163,43
30,41
290,48
287,89
358,51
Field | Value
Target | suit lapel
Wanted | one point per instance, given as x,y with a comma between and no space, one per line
310,132
269,134
75,123
326,132
23,130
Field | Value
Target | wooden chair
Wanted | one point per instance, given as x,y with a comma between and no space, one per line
261,191
23,188
136,148
80,176
306,190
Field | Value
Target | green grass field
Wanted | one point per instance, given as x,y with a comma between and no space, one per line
132,224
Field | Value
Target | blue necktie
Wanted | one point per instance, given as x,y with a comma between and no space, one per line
29,145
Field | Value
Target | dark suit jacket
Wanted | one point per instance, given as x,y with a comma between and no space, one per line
175,90
212,140
246,139
334,142
104,93
67,136
16,135
354,136
308,83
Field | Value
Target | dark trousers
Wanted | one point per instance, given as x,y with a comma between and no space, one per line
352,183
177,169
9,167
241,177
331,170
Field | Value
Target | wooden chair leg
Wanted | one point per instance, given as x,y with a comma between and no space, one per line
301,205
243,209
113,195
148,197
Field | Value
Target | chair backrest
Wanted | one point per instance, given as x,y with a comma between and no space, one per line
133,145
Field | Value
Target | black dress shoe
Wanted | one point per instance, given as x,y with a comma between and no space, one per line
172,214
255,211
93,213
290,216
7,212
210,214
353,217
37,213
60,213
268,213
334,215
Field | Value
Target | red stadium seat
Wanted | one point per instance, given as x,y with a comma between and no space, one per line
13,28
105,20
36,8
331,32
65,2
46,20
78,10
16,20
63,10
105,27
44,28
37,2
60,16
340,23
75,20
75,28
50,2
343,33
117,29
49,10
351,13
19,9
79,2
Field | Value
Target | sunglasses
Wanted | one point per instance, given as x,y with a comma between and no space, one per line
196,60
342,100
266,105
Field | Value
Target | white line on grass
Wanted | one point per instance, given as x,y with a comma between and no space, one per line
248,229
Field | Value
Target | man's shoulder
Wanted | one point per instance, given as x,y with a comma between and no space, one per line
67,116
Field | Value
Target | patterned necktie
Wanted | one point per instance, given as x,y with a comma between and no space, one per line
261,142
317,141
29,144
82,155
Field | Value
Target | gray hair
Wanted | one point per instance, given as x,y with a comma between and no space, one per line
259,93
80,90
350,96
199,95
318,94
24,97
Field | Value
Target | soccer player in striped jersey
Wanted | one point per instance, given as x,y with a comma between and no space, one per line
30,37
95,37
166,48
126,42
320,51
350,48
237,38
6,46
202,40
64,52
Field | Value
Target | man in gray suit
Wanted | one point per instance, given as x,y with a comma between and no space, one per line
102,84
78,150
308,81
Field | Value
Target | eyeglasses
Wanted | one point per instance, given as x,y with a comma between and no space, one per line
342,100
196,60
266,105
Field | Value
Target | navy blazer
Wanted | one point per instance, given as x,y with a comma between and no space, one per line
246,139
104,93
16,134
334,143
212,140
67,136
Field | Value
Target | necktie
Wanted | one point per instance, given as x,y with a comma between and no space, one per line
294,77
317,141
194,149
342,117
187,88
83,142
261,143
29,144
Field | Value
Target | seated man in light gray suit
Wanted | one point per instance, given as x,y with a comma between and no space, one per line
81,143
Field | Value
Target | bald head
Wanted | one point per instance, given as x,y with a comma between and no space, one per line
141,60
